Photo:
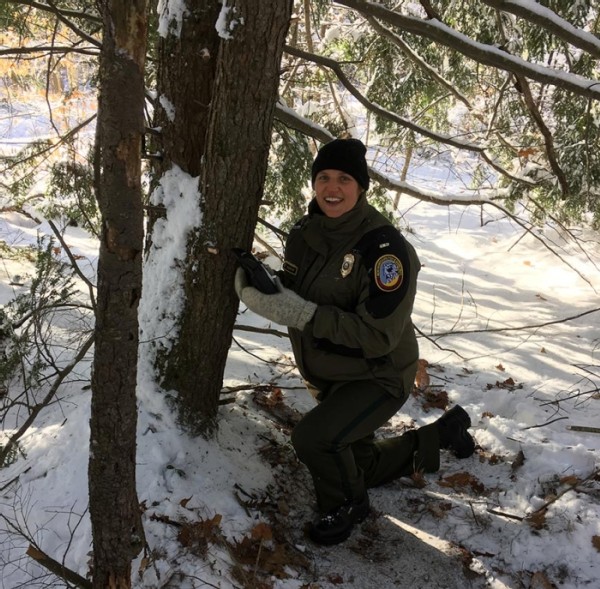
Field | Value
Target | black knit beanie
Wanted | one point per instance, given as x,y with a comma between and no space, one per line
346,155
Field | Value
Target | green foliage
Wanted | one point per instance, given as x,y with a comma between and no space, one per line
71,195
287,175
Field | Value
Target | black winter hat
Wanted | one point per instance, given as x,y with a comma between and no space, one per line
347,155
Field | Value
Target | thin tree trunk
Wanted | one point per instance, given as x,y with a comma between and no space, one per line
116,523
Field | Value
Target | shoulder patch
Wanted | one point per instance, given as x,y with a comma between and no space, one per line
385,254
388,273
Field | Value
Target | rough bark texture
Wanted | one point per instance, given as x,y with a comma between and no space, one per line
114,511
232,176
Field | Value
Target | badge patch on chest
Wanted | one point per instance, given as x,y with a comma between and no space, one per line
389,273
347,265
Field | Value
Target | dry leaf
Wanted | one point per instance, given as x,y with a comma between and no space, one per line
437,400
527,151
500,368
519,460
596,542
462,480
184,502
537,519
440,510
418,480
540,580
570,480
261,532
422,378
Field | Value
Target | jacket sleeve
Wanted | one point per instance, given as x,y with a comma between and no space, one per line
385,302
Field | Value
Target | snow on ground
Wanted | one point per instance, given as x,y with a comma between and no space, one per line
465,526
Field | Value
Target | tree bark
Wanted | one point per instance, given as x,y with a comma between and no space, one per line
116,522
237,136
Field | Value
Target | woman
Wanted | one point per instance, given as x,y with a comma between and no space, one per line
348,285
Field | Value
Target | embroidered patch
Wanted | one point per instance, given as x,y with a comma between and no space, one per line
290,268
388,273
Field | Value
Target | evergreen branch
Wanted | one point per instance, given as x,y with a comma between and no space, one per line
480,52
62,18
391,116
525,90
418,60
63,11
293,120
549,20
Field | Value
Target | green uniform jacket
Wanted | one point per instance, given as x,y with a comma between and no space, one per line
362,274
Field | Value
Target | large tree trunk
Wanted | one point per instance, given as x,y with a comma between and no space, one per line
233,169
114,510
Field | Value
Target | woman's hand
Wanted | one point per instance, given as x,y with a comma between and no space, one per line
284,307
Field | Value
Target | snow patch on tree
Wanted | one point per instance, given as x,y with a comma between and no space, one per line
162,292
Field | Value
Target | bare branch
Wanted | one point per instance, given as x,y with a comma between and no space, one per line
519,328
49,49
56,568
12,441
74,263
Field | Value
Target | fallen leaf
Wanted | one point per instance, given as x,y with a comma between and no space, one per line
184,502
501,368
570,480
540,580
462,480
518,461
261,532
434,400
537,519
596,542
422,378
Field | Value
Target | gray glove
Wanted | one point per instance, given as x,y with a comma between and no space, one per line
284,307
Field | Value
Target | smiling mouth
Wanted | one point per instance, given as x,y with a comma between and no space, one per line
332,200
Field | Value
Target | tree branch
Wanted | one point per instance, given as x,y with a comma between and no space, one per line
417,60
391,116
58,569
50,49
74,263
12,441
480,52
521,328
540,15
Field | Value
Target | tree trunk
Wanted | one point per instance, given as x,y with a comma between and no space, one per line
237,140
116,523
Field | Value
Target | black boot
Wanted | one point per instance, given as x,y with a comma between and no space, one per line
336,525
452,427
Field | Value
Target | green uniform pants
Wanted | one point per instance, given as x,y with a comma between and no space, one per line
336,441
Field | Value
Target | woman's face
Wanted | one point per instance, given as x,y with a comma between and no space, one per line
337,192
